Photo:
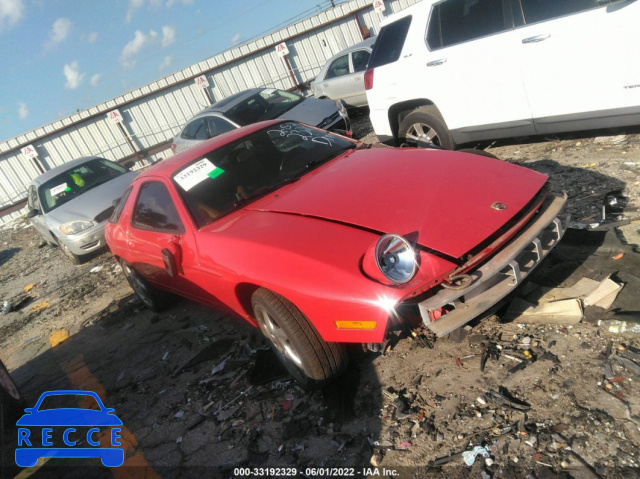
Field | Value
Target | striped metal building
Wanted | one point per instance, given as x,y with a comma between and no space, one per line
152,114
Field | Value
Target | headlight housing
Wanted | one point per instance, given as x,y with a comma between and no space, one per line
73,227
341,108
395,258
391,260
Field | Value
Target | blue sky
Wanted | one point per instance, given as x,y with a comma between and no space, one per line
59,56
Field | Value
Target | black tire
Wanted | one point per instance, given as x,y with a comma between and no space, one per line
75,259
152,297
311,361
475,151
11,402
425,125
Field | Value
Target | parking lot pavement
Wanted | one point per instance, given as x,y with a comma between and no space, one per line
198,392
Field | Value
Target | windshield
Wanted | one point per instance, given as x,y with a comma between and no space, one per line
266,105
76,181
223,179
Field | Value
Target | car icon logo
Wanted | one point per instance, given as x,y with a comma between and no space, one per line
79,432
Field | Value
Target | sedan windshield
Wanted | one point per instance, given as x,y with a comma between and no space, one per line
224,179
76,181
266,105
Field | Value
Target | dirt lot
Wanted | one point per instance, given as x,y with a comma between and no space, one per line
199,394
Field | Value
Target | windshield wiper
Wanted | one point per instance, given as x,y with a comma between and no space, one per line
319,161
263,191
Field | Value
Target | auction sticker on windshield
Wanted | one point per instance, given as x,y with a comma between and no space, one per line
58,189
197,173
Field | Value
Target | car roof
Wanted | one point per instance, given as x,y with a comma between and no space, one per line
227,103
47,175
365,43
168,167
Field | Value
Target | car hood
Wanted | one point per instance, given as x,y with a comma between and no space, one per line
89,204
311,110
441,200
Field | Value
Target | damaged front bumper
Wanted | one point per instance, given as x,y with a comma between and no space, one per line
495,279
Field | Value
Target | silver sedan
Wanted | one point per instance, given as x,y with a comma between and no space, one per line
342,77
70,204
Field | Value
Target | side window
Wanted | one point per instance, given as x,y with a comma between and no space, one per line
457,21
154,210
218,126
540,10
339,67
117,211
32,198
389,43
360,59
196,130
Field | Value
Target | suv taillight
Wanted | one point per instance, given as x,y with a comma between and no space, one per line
368,79
174,147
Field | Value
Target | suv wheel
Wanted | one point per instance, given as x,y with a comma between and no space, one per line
425,126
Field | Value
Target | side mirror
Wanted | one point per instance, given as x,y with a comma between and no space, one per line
32,213
28,410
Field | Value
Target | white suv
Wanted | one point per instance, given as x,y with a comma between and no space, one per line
455,71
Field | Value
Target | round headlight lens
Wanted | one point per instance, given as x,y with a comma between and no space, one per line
395,258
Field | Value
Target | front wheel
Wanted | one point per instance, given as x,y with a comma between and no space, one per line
152,297
311,361
425,126
75,259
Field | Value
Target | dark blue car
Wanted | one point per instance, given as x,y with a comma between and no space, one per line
44,417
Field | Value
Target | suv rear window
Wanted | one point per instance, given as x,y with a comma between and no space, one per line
458,21
389,43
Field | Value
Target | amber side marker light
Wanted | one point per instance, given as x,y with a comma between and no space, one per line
356,324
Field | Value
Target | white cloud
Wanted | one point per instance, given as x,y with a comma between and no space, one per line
95,79
132,48
236,39
73,75
23,111
166,63
155,3
168,35
11,11
171,3
60,29
93,36
133,6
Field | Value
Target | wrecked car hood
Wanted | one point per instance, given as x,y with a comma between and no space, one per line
432,197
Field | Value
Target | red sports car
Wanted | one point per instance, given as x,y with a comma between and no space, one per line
320,240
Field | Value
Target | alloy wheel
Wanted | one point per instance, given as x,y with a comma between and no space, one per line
277,336
138,284
421,132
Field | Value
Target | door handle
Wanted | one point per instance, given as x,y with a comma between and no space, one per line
357,79
325,84
537,38
435,63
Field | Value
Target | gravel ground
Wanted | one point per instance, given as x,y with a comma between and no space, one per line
199,394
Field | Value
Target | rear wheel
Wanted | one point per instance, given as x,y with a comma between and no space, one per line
309,359
425,126
151,296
